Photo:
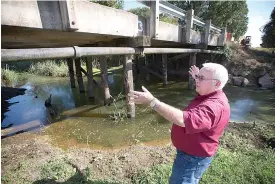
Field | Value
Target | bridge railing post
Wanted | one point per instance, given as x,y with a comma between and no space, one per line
222,37
207,33
189,25
154,18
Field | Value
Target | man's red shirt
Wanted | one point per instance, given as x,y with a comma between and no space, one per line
205,118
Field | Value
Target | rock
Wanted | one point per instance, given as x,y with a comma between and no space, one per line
237,81
230,79
245,82
240,81
265,81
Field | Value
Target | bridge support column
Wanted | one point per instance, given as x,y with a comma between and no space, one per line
104,79
79,75
129,85
164,69
70,63
192,61
90,77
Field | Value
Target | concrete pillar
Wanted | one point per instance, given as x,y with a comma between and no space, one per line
164,68
192,61
79,75
90,77
70,63
128,84
104,79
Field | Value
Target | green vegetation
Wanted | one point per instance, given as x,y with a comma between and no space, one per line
49,68
11,78
118,4
268,30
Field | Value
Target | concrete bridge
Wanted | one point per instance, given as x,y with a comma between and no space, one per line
35,30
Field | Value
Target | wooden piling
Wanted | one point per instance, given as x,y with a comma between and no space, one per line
70,63
104,79
164,68
146,63
192,61
129,85
90,77
79,75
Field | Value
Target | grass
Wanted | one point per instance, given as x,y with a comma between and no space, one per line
49,68
11,78
253,166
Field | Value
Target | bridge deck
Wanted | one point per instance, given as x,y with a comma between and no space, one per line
41,24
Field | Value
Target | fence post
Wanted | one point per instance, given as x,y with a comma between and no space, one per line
154,18
189,25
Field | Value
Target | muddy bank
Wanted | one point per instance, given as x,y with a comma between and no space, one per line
6,94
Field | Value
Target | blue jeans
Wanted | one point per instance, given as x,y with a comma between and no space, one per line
188,169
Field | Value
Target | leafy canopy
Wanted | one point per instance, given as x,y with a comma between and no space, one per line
268,30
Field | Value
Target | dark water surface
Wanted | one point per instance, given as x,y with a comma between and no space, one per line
82,122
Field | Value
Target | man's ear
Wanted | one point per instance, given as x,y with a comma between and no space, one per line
218,84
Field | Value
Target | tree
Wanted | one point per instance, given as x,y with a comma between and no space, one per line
118,4
230,14
145,12
268,30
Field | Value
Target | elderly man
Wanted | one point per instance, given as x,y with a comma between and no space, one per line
196,129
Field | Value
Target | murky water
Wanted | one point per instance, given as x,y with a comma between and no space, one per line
82,122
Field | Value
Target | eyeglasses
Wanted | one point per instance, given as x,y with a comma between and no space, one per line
201,78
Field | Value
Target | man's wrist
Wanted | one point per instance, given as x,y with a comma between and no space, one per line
154,102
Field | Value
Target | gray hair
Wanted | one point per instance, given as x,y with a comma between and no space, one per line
219,72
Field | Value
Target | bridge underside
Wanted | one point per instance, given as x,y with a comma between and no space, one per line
14,37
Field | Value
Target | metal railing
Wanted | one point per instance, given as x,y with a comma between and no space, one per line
175,11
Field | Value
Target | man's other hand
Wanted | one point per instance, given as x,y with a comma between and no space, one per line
193,71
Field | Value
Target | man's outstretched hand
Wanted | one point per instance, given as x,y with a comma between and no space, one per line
193,71
144,97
